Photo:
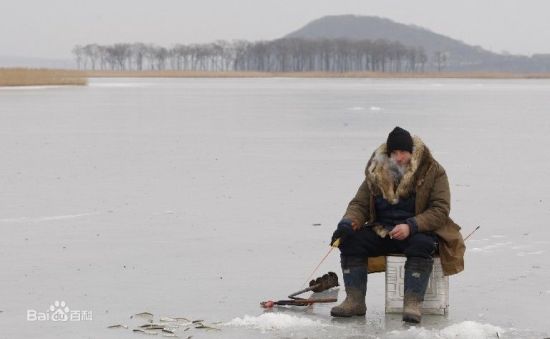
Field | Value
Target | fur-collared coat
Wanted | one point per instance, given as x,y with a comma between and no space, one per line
428,179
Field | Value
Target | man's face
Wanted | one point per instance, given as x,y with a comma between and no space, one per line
402,158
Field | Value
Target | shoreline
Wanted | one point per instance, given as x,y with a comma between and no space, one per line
22,77
343,75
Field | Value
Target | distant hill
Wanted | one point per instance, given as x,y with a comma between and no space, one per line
459,55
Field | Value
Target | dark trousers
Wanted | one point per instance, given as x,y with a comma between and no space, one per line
364,243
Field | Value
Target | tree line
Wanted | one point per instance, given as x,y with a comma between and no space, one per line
282,55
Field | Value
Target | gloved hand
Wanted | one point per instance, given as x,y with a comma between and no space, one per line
342,231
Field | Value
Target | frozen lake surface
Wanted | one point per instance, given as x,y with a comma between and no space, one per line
199,198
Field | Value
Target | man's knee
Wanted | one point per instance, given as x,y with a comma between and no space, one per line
351,246
421,245
362,243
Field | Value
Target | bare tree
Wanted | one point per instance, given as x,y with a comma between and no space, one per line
281,55
78,52
137,51
440,59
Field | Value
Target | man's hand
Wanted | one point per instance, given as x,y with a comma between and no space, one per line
345,227
400,232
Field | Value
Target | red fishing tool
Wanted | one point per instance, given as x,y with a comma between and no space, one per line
320,284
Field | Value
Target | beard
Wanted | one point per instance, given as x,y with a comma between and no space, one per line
397,171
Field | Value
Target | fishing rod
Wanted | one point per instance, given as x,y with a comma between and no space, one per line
296,302
320,284
469,235
334,245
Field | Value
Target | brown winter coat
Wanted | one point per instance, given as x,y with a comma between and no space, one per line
428,179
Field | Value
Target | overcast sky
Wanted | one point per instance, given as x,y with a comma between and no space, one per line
51,28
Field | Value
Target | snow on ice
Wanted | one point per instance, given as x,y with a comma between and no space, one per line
275,321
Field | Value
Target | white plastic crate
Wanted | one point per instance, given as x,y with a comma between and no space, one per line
436,299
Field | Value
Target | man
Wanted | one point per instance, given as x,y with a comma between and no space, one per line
402,207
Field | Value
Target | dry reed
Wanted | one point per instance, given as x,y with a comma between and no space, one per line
40,77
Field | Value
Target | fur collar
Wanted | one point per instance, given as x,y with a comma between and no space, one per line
380,179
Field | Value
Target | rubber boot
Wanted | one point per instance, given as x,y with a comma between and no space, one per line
355,281
417,275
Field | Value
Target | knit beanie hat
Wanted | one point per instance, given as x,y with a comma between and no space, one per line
399,139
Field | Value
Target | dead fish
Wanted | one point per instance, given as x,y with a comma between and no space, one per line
204,327
152,326
143,315
165,330
197,321
168,320
118,326
186,329
178,319
144,332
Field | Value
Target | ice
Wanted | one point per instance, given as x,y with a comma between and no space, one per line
522,254
463,330
361,108
47,218
493,247
119,84
275,321
470,330
32,88
199,198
